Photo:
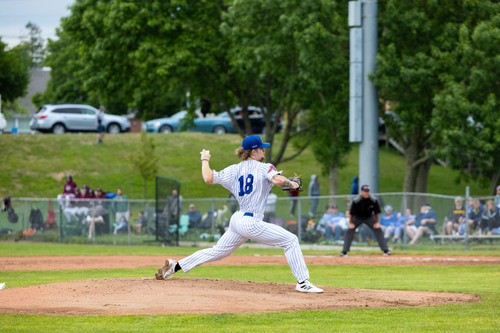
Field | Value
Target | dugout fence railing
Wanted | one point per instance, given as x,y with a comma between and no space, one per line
48,220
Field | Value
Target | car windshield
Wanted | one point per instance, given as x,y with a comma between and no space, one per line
179,115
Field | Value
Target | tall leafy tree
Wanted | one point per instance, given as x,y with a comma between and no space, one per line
14,72
36,45
467,108
413,36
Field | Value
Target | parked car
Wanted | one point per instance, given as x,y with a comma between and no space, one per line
211,124
3,122
256,118
61,118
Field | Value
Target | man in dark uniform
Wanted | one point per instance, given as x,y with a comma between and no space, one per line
364,209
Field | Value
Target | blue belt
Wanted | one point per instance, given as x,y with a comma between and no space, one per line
248,214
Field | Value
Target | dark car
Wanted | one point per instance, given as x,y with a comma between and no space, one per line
256,117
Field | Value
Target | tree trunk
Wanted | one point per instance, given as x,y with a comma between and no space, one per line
333,181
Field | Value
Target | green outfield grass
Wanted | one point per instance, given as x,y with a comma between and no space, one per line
470,317
35,165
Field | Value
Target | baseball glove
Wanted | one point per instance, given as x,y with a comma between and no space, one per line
298,181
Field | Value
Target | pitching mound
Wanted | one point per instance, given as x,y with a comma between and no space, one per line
147,296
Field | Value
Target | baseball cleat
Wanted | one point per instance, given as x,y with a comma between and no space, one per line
387,253
307,287
343,254
167,270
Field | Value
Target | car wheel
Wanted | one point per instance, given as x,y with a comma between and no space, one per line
165,129
114,128
58,129
220,130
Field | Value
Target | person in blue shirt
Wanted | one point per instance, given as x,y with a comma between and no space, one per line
331,223
424,222
476,212
389,223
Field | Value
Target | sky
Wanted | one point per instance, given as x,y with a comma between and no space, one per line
46,14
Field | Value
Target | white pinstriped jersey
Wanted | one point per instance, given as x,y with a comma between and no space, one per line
250,183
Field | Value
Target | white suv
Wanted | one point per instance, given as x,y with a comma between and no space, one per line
61,118
3,123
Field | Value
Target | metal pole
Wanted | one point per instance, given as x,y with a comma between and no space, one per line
299,220
466,218
368,148
405,235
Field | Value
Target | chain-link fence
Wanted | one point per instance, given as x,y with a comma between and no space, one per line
206,219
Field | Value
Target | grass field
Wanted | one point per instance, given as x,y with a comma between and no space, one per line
36,165
470,317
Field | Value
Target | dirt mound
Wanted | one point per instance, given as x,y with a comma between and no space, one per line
141,296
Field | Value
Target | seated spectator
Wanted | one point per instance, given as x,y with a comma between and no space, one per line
424,222
455,218
392,224
331,223
141,222
194,216
475,215
93,218
388,221
84,202
72,206
490,221
120,225
68,192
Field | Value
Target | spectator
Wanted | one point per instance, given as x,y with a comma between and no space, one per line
293,194
84,202
141,222
490,221
93,218
68,192
403,221
72,207
455,218
497,197
314,191
120,225
194,216
119,205
475,215
100,125
424,222
328,224
389,222
233,203
355,186
270,209
173,209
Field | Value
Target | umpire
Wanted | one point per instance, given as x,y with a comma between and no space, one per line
364,209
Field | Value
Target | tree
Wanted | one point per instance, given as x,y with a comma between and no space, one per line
35,43
466,108
413,37
14,72
145,160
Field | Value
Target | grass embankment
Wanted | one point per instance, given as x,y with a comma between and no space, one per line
36,165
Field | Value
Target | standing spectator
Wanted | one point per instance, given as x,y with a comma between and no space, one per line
425,222
314,191
389,222
100,124
68,192
194,216
490,221
455,218
119,205
173,208
293,194
475,215
270,210
364,210
355,186
497,197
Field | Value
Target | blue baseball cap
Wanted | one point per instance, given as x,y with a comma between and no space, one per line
253,142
